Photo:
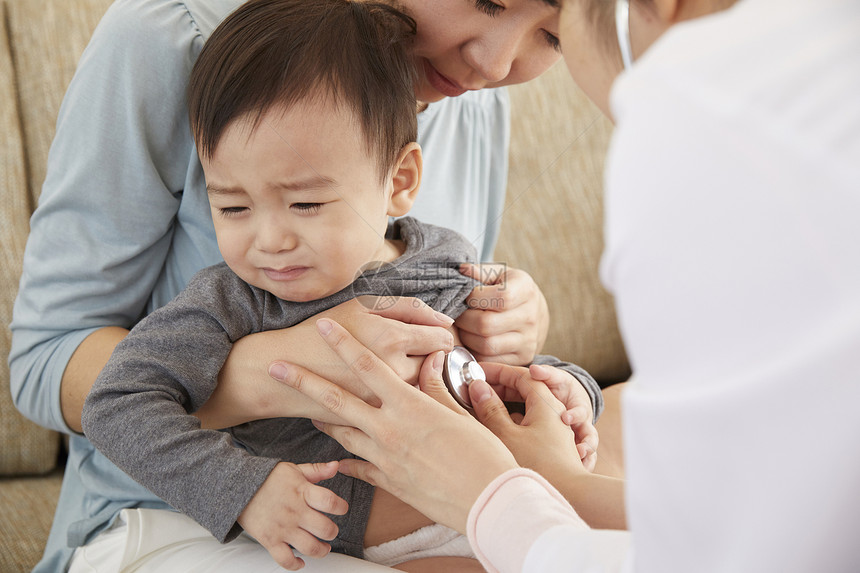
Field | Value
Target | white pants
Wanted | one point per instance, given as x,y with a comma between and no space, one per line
161,541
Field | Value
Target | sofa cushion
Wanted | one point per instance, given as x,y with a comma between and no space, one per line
26,447
553,221
28,509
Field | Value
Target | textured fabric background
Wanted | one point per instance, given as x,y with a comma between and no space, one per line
26,448
28,508
553,223
40,43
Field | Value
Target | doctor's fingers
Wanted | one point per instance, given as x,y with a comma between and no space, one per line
541,405
331,397
489,409
503,374
365,471
586,445
430,382
366,365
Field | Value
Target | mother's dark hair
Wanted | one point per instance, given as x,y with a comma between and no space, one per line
278,52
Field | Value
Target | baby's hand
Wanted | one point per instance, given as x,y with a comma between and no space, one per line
288,510
578,413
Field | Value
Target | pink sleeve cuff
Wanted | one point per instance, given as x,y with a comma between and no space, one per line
510,514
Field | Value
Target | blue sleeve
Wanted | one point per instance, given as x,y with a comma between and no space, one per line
465,143
115,177
500,137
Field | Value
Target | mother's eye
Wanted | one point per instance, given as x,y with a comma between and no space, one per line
488,7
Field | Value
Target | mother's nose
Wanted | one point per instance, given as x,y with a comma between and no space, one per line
492,55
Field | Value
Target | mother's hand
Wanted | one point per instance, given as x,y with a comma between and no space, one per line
508,318
421,447
402,333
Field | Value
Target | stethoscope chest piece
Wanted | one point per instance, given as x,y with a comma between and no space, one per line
458,372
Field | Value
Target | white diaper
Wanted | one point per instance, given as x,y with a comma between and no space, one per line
431,541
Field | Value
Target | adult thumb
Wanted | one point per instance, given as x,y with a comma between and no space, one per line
486,273
430,380
488,406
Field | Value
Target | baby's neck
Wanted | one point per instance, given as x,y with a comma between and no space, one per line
392,250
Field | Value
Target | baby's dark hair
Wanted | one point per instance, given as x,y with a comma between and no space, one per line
279,52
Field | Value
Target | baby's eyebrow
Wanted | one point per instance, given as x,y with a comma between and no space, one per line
315,181
307,184
551,3
218,190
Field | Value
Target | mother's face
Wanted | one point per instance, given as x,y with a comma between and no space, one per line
472,44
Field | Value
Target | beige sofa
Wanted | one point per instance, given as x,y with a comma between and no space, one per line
552,228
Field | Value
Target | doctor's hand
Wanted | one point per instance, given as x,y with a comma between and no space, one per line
420,445
543,442
565,448
507,319
575,409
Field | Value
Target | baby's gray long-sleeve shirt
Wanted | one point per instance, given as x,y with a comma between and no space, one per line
138,412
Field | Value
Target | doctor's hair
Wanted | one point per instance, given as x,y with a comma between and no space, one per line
271,53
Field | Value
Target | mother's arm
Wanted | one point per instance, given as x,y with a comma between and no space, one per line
401,335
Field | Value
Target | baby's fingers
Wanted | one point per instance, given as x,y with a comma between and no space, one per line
283,554
322,499
319,471
317,524
307,544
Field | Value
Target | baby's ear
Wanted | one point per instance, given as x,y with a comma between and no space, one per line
405,179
